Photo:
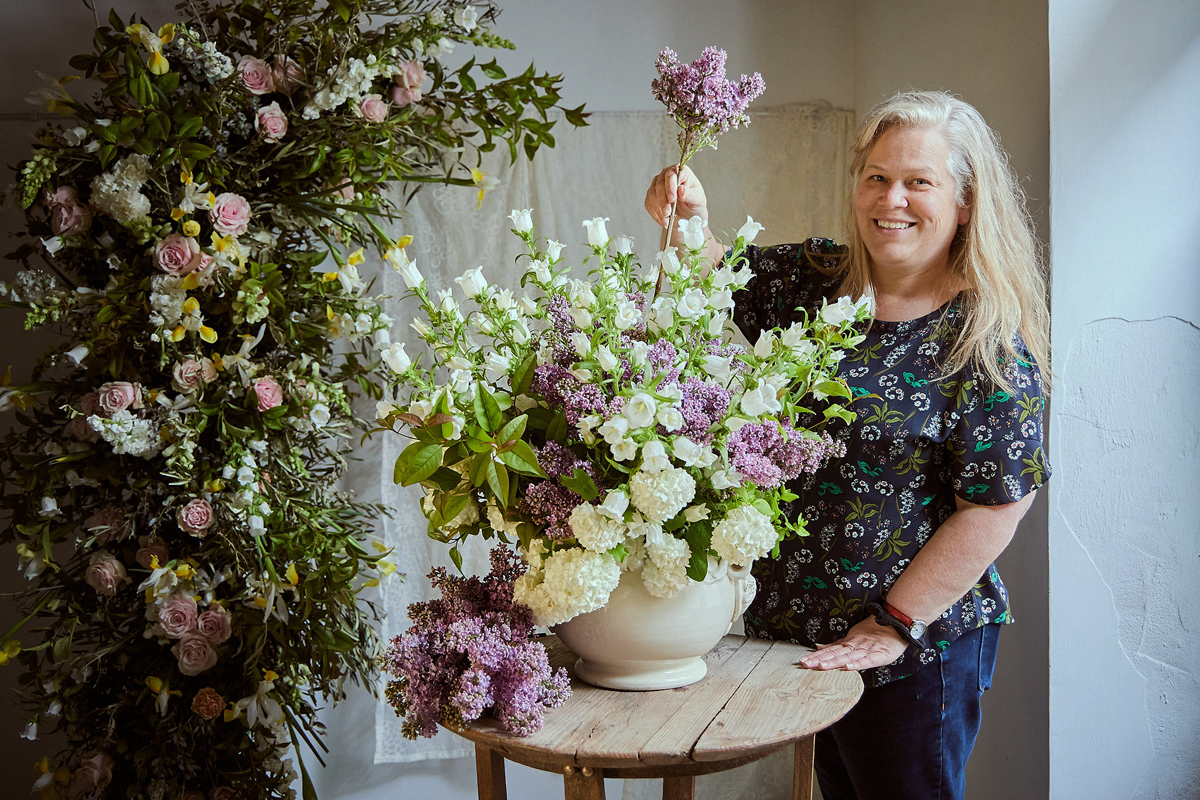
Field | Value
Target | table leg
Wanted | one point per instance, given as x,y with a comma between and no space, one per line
583,784
489,773
802,775
683,788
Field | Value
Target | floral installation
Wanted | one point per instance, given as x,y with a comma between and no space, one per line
701,100
603,429
195,233
471,652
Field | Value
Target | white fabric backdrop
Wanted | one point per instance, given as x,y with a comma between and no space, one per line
787,170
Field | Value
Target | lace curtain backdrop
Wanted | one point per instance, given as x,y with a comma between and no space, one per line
787,170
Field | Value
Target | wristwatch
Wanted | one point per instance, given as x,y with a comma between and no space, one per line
913,630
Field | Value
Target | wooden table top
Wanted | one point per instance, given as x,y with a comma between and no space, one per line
754,700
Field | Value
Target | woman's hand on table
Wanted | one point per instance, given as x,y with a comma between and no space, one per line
670,186
868,644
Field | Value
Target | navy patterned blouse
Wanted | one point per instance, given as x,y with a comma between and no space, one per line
915,444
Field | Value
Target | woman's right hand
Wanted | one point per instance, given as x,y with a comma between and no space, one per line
684,190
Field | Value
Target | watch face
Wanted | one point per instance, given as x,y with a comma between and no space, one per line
917,630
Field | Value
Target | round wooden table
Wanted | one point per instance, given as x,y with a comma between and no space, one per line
754,701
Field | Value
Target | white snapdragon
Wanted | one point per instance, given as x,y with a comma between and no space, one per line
744,535
596,231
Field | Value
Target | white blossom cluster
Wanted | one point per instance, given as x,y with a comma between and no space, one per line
167,296
351,81
744,535
128,434
567,583
201,57
118,191
247,502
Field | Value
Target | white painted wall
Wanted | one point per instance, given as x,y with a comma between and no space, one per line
994,56
1124,540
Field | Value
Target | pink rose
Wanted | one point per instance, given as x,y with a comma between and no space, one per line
94,772
230,214
196,517
117,396
408,83
373,108
106,523
150,550
177,255
62,196
271,122
188,375
194,654
178,616
287,74
256,75
214,624
269,392
69,220
105,573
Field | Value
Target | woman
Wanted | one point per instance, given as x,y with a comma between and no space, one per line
896,578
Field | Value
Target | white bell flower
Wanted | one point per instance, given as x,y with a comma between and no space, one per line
687,451
765,344
608,361
522,220
396,359
639,410
726,479
692,304
693,232
670,418
760,400
668,261
553,248
627,315
749,230
614,505
472,282
654,457
625,450
717,367
581,343
623,244
597,233
844,310
582,318
614,430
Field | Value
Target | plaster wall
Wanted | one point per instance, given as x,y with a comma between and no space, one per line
994,56
1124,543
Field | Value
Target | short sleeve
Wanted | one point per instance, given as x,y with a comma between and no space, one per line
997,445
784,279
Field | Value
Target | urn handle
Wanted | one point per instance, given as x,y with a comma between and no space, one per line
745,587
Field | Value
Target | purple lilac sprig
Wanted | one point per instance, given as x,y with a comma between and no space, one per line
468,653
770,455
701,99
548,501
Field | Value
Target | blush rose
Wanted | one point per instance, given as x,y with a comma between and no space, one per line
287,74
178,616
230,214
189,374
215,624
150,550
196,517
408,83
94,772
177,254
194,654
271,122
269,392
105,573
373,108
256,75
117,396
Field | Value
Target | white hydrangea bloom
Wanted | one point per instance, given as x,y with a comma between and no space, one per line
665,571
594,530
662,495
495,518
636,555
571,582
744,535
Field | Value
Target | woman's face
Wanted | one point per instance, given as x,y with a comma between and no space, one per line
905,202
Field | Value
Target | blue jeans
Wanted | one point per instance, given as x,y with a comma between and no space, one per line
910,739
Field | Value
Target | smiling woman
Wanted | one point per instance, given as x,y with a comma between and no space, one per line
896,576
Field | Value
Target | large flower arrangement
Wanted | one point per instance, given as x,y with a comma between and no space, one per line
172,493
604,429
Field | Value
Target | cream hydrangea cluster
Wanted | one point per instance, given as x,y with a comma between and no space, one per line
662,495
566,583
744,535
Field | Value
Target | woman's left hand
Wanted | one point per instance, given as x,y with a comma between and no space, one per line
867,645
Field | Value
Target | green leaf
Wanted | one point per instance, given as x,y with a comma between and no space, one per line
581,483
456,557
445,478
497,478
487,412
840,413
416,463
558,428
515,429
698,535
522,458
833,388
522,377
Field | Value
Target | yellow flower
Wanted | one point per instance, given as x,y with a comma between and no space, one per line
184,572
190,281
380,547
208,334
167,32
385,566
158,63
178,334
214,485
292,576
329,277
270,675
177,214
356,257
162,692
480,178
328,308
8,651
191,228
371,583
185,176
260,601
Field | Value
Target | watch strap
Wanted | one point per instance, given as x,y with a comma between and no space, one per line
897,613
885,617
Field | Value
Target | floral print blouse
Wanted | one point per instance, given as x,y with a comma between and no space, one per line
916,443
